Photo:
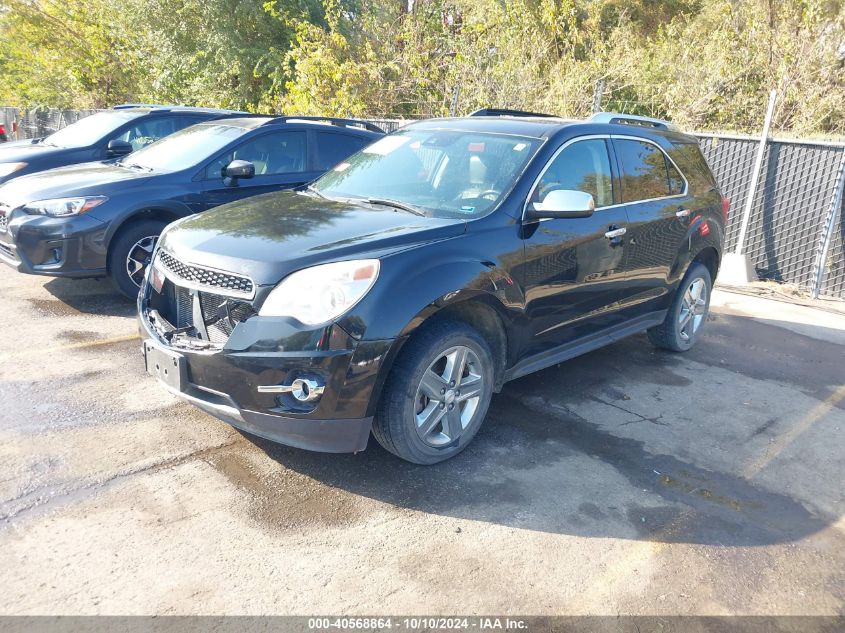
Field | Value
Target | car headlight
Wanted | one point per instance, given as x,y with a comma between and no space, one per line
10,168
321,293
62,207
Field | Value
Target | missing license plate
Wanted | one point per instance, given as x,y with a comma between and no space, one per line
167,366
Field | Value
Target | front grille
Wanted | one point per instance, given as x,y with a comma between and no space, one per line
4,218
8,251
220,313
200,276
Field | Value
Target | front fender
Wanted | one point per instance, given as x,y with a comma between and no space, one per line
410,291
169,207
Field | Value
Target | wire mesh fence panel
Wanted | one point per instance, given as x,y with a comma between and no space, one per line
794,194
833,282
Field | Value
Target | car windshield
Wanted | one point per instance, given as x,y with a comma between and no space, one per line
184,148
441,173
89,130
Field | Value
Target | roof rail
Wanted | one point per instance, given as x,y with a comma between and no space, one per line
125,106
372,127
506,112
632,119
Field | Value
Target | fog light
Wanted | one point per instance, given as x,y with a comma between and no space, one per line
302,389
306,390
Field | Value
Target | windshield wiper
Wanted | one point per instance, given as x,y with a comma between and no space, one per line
135,166
316,191
387,202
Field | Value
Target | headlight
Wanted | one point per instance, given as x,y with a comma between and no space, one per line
62,207
10,168
322,293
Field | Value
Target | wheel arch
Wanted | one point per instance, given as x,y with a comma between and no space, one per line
709,257
480,310
161,212
155,212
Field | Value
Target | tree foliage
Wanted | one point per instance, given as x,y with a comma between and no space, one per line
703,63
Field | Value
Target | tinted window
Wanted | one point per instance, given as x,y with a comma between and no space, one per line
676,182
89,130
149,130
644,171
689,158
185,148
272,153
443,173
582,166
333,148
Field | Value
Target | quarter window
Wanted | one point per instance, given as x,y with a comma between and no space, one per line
646,172
582,166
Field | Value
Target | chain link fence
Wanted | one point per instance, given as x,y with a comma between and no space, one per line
791,211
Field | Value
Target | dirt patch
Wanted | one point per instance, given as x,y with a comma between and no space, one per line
281,499
79,336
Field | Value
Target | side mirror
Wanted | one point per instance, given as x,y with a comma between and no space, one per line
119,148
238,169
563,203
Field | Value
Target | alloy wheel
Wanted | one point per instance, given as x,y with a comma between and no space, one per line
139,257
448,396
693,309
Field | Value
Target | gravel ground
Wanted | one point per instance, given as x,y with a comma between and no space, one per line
628,481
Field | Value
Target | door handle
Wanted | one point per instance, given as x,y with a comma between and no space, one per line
614,233
682,213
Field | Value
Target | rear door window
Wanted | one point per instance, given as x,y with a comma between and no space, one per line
646,172
332,148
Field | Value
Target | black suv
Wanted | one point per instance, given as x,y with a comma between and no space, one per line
104,218
409,283
103,135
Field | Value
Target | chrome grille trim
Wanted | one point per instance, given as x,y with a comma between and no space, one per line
4,217
204,278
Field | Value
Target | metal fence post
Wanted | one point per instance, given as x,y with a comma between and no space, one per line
755,174
828,228
598,93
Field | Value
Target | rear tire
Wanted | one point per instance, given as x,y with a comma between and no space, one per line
437,394
130,253
688,313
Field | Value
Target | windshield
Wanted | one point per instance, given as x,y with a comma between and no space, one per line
89,130
443,173
184,148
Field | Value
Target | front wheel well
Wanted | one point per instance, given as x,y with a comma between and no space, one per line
156,214
153,214
488,323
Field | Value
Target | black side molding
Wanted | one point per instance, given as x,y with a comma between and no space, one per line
583,345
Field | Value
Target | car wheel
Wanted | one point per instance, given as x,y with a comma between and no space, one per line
437,393
687,314
130,254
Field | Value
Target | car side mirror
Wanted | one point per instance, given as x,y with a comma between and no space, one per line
238,169
563,203
119,148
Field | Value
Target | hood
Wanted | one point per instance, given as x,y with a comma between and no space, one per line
26,150
86,179
270,236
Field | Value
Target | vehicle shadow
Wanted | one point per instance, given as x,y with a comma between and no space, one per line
87,296
542,467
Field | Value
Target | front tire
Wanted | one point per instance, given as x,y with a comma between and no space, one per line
688,312
130,254
437,394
